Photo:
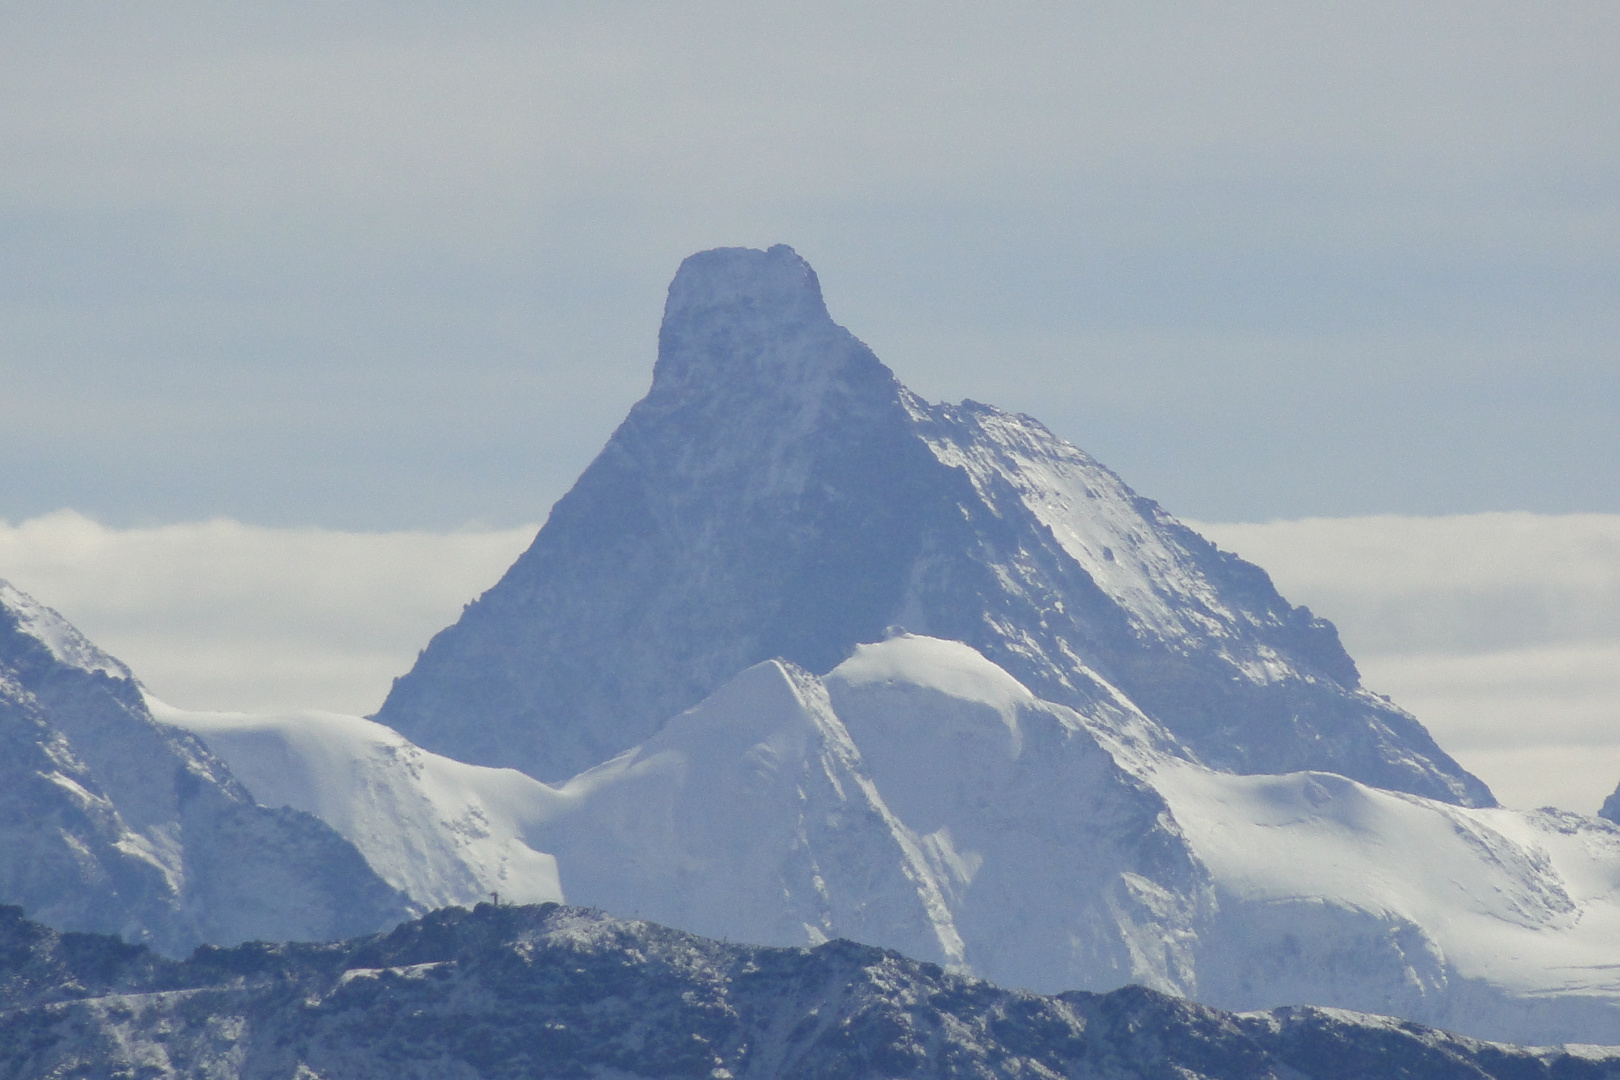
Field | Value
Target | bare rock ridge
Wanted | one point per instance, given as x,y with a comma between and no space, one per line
111,821
778,493
555,991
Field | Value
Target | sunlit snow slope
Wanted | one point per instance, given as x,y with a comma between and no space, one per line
1329,890
440,831
920,797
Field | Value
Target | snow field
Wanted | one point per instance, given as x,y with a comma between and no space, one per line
921,798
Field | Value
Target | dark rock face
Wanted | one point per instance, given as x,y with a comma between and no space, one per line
765,499
111,821
551,992
778,494
1611,807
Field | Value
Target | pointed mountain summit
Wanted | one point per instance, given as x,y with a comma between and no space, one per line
778,493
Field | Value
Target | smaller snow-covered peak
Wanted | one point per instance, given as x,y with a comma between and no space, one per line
51,630
751,815
774,707
953,668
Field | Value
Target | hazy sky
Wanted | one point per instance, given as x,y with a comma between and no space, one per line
401,265
361,275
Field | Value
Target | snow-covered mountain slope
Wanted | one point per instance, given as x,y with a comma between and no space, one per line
1062,868
1066,850
755,816
1063,850
439,831
1489,921
920,798
552,991
111,821
1193,636
750,817
747,817
972,825
778,494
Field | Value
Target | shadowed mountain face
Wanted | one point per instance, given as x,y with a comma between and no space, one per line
111,821
553,991
1611,807
778,494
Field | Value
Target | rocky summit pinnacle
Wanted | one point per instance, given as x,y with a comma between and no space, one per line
731,309
778,493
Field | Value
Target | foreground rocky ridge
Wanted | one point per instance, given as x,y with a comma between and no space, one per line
551,991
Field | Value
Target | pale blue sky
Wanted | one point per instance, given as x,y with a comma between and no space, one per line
387,266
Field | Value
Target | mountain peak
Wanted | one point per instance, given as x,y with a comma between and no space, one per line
778,493
733,283
744,317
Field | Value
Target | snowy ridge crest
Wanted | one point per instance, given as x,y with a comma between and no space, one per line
1097,519
920,798
59,636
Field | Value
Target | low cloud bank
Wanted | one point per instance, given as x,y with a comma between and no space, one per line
221,615
1501,632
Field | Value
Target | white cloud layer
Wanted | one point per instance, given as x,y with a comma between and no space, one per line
225,616
1501,632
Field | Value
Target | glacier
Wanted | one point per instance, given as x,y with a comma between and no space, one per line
440,831
920,798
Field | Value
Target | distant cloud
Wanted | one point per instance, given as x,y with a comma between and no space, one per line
1501,632
1459,584
221,615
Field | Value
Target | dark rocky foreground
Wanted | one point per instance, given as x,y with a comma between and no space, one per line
552,991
